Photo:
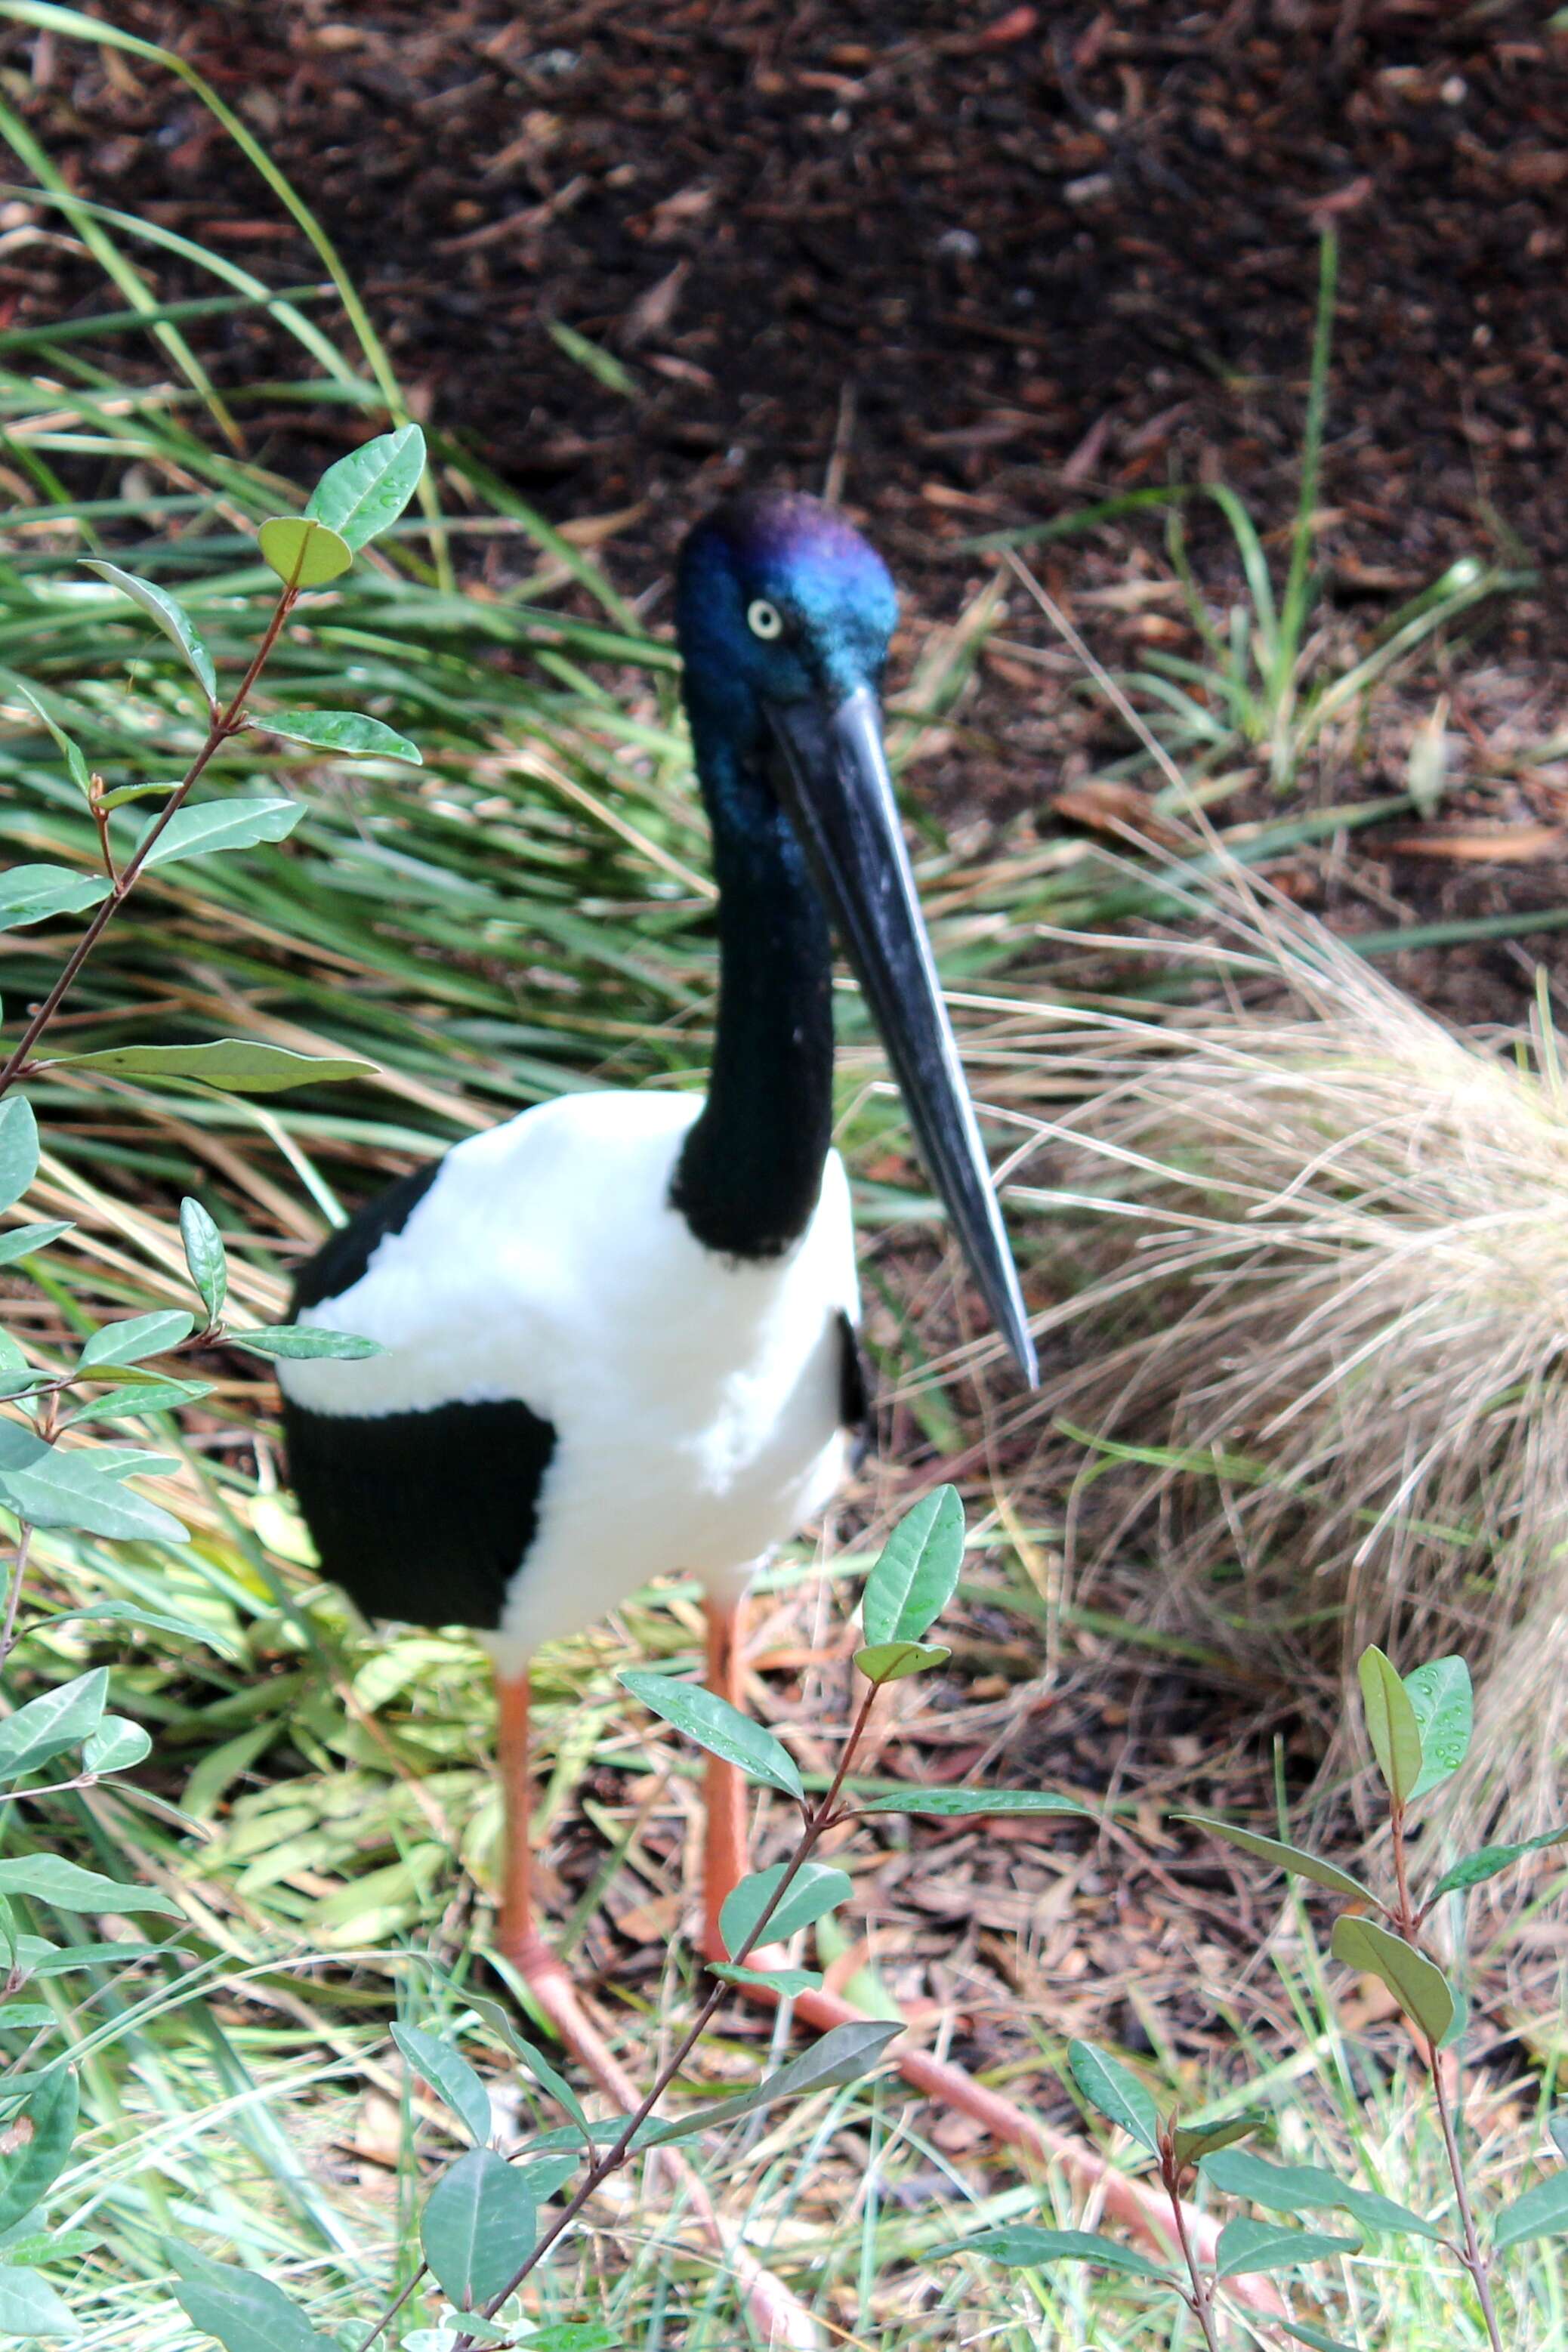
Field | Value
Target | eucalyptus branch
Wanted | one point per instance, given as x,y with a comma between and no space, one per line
1199,2299
1470,2254
19,1571
819,1818
223,723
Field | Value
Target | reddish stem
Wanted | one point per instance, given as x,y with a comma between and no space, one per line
222,726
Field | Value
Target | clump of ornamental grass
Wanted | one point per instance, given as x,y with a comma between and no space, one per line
1328,1290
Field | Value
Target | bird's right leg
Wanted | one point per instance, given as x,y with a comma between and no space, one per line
781,2318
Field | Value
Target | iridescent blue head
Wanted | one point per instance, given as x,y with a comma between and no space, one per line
783,614
780,600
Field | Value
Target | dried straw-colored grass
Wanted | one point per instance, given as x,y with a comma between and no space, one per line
1328,1290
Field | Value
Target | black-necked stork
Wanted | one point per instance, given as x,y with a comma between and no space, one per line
618,1331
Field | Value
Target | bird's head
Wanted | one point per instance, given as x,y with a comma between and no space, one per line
784,613
780,601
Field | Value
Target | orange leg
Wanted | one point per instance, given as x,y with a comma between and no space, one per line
781,2319
517,1937
726,1858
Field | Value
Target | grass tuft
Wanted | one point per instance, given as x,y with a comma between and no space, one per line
1329,1233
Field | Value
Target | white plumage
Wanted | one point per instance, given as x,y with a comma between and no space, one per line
696,1399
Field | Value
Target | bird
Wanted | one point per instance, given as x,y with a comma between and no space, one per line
618,1333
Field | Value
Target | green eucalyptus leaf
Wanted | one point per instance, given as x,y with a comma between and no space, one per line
302,552
42,1959
305,1342
49,2245
234,1063
785,1982
136,1337
1417,1984
125,1613
36,894
450,2076
349,731
1318,2337
30,2306
534,2061
22,1241
57,1719
842,2056
1391,1724
478,2228
123,794
205,1256
916,1575
129,1402
365,492
216,825
116,1746
717,1726
86,1491
1293,1858
1245,2247
1018,2245
42,2131
166,613
1557,2124
1474,1868
1310,2188
959,1804
815,1887
52,1879
1117,2092
1540,2213
1191,2141
246,2312
890,1661
1444,1705
19,1148
19,1444
548,2174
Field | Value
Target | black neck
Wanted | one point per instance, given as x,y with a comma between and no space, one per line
751,1171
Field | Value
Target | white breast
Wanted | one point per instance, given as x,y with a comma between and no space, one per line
695,1400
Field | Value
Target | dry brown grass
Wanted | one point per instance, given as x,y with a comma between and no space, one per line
1327,1299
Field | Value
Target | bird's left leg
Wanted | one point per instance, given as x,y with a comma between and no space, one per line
725,1860
518,1938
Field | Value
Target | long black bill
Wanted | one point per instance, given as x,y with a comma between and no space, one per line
840,798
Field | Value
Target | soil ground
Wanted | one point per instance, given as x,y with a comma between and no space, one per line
979,274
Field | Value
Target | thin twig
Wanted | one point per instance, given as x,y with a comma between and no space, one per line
1200,2300
1470,2254
8,1630
225,723
1474,2260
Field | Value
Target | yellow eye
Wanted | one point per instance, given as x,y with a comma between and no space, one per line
764,619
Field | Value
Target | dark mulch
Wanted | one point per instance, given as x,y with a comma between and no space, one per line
1001,267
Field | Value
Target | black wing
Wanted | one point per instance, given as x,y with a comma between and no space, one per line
425,1517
